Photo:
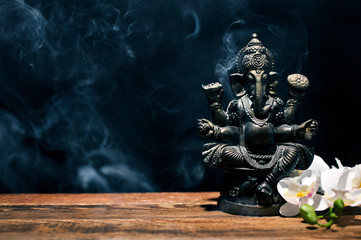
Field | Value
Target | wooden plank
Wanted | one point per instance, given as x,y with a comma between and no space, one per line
149,216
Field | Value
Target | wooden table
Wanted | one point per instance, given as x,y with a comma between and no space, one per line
149,216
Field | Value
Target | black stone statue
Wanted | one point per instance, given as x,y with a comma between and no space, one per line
256,138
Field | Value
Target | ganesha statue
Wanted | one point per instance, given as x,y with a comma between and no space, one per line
256,140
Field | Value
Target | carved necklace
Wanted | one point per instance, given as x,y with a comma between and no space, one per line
250,114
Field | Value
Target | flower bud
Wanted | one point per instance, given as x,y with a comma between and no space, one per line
308,213
338,206
304,209
311,218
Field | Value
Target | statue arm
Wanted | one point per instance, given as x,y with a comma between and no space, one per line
219,115
286,133
291,133
227,134
224,134
214,93
297,86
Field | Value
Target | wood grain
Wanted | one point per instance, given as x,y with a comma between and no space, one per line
149,216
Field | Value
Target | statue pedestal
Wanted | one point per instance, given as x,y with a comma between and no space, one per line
238,207
239,193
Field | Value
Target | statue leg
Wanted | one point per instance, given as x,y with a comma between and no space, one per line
284,165
288,161
232,156
222,155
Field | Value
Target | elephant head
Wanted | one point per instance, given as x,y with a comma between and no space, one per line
254,66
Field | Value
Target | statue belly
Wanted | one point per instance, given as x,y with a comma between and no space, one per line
259,136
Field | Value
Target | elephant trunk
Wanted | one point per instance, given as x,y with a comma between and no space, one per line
260,107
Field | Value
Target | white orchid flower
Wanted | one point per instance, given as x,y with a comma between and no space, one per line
344,183
302,189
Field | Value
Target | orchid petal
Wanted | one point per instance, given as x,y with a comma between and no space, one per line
286,191
345,181
318,165
339,164
319,203
343,194
289,210
311,180
356,182
305,200
356,197
329,201
330,179
308,178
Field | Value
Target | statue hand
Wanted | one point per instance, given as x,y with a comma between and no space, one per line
307,130
298,84
205,128
214,91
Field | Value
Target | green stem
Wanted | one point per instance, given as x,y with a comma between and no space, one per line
327,225
326,214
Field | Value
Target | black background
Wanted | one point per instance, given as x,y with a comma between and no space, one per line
103,96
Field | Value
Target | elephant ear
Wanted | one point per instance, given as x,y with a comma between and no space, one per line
238,81
272,84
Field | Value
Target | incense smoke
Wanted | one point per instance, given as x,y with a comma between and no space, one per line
103,95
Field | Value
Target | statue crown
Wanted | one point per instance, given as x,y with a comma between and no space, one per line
255,56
